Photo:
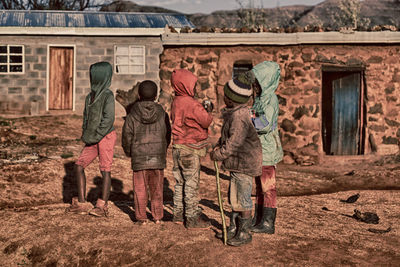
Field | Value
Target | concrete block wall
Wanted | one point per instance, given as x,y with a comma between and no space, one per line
26,93
299,92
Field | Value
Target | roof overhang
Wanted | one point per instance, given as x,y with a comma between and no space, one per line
81,31
267,38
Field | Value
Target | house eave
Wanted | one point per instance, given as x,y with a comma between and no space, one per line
267,38
75,31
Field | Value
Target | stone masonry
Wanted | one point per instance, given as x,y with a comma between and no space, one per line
299,92
26,93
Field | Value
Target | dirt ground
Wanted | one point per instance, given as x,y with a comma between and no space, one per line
313,227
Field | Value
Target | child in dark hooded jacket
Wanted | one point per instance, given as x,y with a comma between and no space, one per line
190,122
99,137
146,135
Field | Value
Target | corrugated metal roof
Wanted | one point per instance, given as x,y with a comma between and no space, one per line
83,19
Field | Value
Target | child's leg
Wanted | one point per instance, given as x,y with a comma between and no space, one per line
178,190
240,198
155,182
140,194
266,187
88,154
106,154
190,169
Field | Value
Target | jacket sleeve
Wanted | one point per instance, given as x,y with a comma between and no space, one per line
201,116
127,135
267,122
84,121
107,120
168,127
237,136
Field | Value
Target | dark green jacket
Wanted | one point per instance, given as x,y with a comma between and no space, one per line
99,112
146,135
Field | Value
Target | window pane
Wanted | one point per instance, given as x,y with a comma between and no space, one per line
122,60
122,50
3,59
16,49
136,69
15,68
122,69
15,59
3,49
136,60
134,50
3,68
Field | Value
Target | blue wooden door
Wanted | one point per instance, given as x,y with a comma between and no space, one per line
346,114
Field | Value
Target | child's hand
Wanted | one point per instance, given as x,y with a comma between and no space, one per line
212,154
208,105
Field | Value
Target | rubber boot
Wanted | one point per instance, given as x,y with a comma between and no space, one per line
197,223
267,224
243,235
231,230
257,215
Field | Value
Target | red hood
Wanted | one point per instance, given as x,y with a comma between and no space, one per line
183,82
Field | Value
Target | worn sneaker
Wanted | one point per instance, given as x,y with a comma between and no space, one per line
100,210
79,207
197,223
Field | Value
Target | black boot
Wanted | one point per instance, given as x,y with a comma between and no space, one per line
267,224
243,235
231,230
257,215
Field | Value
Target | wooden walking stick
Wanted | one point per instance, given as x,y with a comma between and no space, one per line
220,202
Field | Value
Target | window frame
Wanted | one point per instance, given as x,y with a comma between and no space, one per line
129,55
8,63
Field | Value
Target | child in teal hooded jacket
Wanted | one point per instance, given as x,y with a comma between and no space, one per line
265,77
99,137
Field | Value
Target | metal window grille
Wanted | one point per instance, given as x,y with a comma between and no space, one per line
129,59
12,59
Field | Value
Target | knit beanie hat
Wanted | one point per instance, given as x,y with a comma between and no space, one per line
147,90
239,89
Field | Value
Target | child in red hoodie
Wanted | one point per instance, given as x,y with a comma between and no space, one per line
190,122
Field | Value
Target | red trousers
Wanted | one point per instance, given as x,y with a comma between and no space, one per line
152,181
266,187
104,150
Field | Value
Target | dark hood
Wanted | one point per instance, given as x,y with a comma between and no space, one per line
147,111
100,78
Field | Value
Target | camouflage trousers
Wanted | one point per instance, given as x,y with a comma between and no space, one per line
186,171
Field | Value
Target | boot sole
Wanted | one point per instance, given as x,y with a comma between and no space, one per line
239,244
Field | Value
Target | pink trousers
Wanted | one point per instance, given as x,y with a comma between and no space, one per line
266,187
152,181
104,149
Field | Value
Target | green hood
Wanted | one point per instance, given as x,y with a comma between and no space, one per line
100,78
267,74
266,107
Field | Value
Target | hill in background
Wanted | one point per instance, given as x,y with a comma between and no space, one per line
373,12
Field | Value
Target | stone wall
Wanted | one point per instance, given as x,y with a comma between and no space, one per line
299,91
26,93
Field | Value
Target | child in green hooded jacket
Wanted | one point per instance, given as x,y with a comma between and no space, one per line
265,78
99,137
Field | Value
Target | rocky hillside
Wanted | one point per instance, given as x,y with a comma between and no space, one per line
325,14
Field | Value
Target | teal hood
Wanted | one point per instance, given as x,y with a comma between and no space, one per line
266,107
268,75
100,78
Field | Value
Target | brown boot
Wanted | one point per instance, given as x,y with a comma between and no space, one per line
79,207
197,223
101,209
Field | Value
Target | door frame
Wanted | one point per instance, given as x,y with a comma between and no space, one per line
362,108
49,46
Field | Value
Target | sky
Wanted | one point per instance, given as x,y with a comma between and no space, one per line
208,6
